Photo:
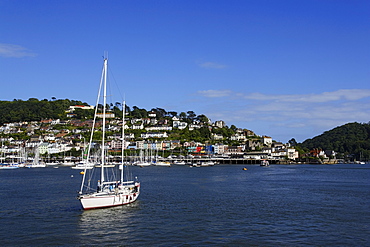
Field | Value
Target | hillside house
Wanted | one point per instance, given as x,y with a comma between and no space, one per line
216,136
219,124
266,140
154,135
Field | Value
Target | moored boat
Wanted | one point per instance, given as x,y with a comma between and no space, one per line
109,192
8,166
207,163
83,165
162,163
180,163
264,163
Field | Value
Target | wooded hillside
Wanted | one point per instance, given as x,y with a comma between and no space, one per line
352,139
34,109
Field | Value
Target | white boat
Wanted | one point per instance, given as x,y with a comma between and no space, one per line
108,193
264,163
8,166
181,163
36,165
162,163
195,165
52,163
207,163
106,165
83,165
67,163
142,163
143,160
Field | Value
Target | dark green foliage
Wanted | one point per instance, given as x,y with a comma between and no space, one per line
84,114
160,113
182,115
203,118
293,142
172,113
191,115
352,139
225,132
138,113
34,110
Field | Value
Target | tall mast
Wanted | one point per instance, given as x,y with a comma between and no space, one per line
123,137
103,126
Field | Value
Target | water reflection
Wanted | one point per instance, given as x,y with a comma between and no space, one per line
110,225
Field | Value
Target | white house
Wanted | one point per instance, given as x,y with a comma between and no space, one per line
138,126
219,148
215,136
159,127
220,124
154,135
238,137
292,153
266,140
178,124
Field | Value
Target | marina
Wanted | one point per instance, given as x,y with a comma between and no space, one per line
227,205
239,123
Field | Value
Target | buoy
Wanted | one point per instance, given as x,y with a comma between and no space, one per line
82,172
245,169
71,176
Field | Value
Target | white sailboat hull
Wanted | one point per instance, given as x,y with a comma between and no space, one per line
82,167
110,199
143,164
209,163
162,164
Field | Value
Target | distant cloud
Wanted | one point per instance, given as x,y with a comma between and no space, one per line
215,93
211,65
342,94
10,50
288,115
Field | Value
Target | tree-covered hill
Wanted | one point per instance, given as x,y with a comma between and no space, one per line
34,109
351,139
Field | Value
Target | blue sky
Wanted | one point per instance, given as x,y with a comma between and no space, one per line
287,69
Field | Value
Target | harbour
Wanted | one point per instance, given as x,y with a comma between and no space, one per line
286,205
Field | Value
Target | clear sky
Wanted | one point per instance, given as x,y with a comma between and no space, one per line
282,68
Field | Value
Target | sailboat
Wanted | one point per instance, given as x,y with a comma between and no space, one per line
36,163
83,164
143,160
110,191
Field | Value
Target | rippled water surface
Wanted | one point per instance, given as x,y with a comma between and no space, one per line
280,205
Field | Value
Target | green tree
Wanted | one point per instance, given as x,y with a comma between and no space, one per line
191,115
293,142
172,113
182,115
202,118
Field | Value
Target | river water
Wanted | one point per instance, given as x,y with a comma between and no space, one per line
224,205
